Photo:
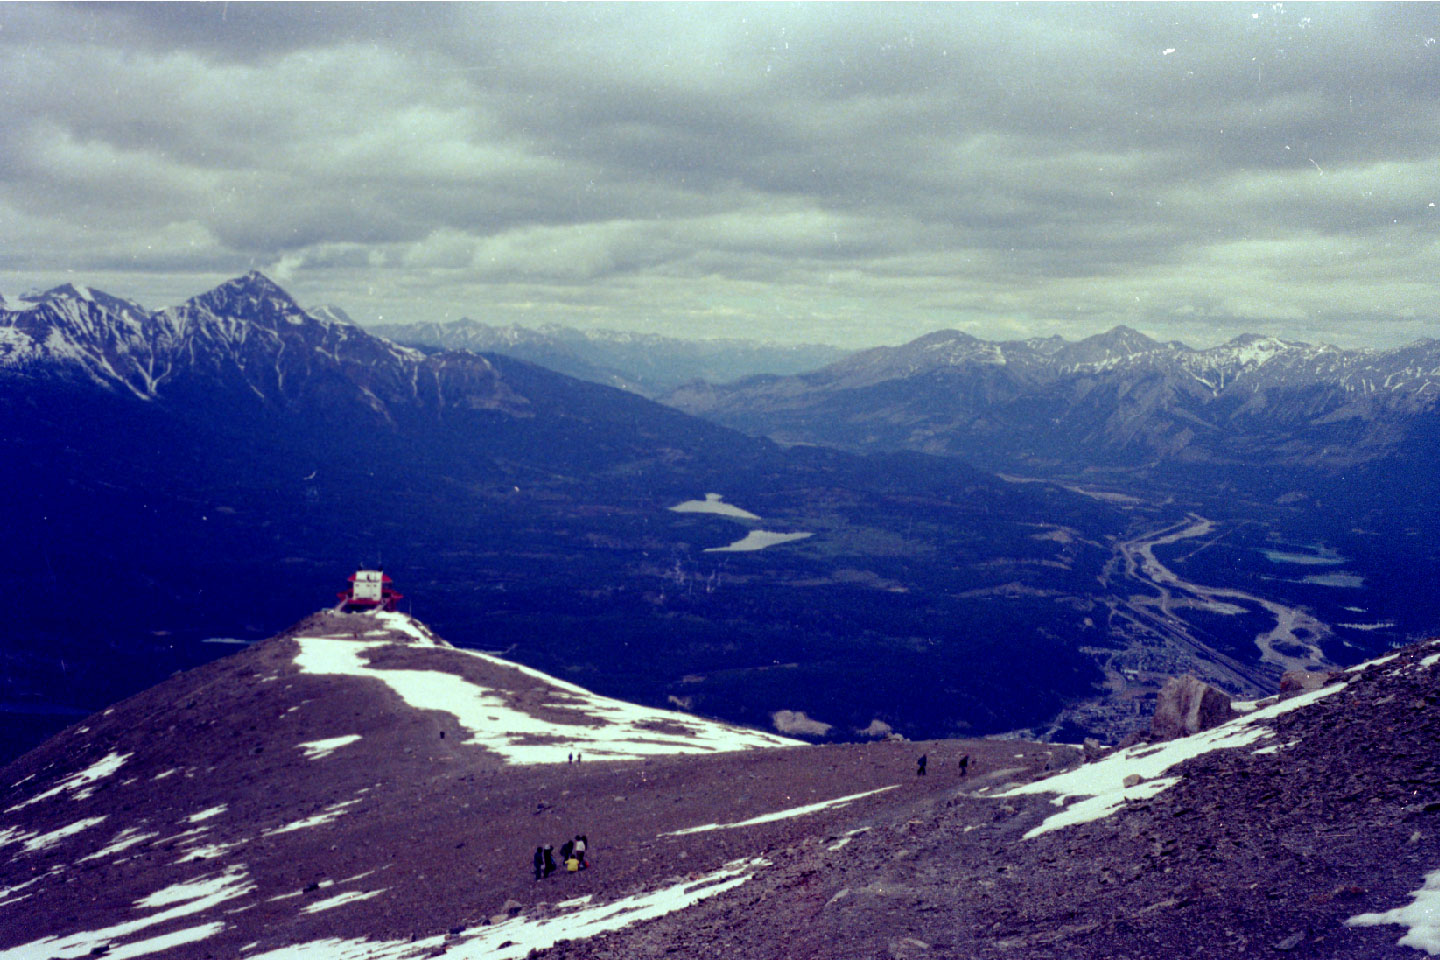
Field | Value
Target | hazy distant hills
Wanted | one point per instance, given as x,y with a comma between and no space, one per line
356,787
642,363
1114,399
210,471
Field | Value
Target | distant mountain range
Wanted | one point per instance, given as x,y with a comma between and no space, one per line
180,479
641,363
205,472
1114,399
246,341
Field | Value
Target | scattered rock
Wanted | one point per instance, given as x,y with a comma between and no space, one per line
795,721
1290,942
1303,681
877,728
907,947
1133,780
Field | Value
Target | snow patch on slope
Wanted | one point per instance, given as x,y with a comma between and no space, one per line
319,749
1421,915
1102,783
779,814
598,727
80,781
182,899
515,938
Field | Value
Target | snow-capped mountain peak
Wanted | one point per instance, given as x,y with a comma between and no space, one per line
254,297
247,338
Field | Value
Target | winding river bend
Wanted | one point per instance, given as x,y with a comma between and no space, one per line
1293,643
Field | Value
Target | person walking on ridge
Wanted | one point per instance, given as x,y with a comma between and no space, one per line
920,765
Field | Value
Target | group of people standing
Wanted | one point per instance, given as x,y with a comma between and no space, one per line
572,857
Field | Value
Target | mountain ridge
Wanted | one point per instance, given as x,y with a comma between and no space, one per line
1115,398
642,363
321,793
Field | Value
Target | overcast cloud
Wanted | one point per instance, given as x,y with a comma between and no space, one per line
852,173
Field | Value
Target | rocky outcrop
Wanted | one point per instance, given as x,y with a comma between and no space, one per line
1303,681
1188,705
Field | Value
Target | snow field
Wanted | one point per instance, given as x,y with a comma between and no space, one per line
30,841
330,813
181,899
340,899
78,782
1421,915
515,938
410,627
319,749
1102,783
598,727
845,838
207,813
779,814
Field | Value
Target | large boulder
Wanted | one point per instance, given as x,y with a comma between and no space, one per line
1303,681
1188,705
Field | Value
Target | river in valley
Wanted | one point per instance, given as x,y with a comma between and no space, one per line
1293,643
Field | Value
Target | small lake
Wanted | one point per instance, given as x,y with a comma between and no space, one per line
1321,556
1334,580
714,503
758,540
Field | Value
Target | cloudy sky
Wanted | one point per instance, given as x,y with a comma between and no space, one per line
852,174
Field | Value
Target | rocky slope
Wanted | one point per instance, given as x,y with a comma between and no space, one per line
356,788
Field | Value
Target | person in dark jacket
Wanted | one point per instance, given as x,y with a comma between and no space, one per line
549,854
539,862
566,850
964,764
920,765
